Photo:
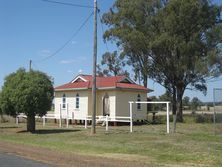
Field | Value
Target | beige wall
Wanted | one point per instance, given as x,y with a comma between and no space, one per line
118,102
85,106
123,97
99,102
112,101
71,101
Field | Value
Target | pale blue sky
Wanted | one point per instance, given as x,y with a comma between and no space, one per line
34,29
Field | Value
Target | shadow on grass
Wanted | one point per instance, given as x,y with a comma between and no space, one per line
51,131
8,127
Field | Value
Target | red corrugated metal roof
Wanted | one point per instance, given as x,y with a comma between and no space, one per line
101,83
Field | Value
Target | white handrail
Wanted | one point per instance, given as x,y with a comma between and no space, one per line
155,102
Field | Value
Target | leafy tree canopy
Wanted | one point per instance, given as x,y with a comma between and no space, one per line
112,64
176,43
195,103
186,101
129,26
27,92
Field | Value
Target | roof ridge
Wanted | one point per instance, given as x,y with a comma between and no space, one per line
85,74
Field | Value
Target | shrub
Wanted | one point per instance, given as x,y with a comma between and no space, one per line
204,118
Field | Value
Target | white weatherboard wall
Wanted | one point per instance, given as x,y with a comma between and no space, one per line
99,102
118,100
71,101
122,104
82,112
112,101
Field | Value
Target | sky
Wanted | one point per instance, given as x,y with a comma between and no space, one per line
35,29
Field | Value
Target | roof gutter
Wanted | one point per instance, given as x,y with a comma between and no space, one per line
57,90
106,88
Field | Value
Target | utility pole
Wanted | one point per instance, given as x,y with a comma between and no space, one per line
93,128
30,65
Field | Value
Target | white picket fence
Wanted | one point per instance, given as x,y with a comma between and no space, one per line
105,119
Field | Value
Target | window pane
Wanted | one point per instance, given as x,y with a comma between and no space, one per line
138,104
63,105
64,101
77,100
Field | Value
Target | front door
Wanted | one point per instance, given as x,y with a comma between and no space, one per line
106,105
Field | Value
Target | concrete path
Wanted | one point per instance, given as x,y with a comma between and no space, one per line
9,160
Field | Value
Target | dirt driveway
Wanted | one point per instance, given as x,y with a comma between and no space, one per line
60,159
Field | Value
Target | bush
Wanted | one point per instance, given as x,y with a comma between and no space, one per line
204,118
191,118
218,118
4,118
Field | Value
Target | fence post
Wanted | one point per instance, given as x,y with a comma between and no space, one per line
168,119
131,117
86,122
17,120
67,115
107,123
43,120
60,116
214,112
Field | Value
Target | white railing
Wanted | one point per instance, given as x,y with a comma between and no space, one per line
154,102
70,116
108,119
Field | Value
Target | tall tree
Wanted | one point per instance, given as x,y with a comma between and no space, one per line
178,43
186,47
112,64
129,26
27,92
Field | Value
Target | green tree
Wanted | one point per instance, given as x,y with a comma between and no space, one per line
186,101
153,107
27,92
178,43
1,113
166,96
186,47
112,64
129,26
195,103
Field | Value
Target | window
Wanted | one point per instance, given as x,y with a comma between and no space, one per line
77,101
64,101
138,104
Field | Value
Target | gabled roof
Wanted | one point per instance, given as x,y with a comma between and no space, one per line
114,82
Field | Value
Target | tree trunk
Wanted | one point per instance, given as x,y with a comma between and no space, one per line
31,123
180,111
179,105
174,108
145,81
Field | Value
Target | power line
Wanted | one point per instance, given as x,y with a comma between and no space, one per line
67,42
68,4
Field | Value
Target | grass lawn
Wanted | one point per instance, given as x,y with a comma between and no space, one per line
192,145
